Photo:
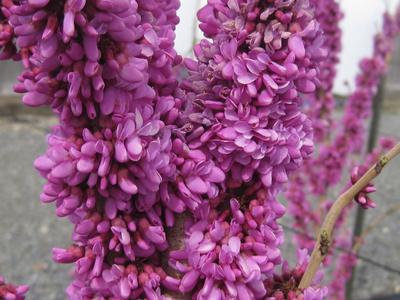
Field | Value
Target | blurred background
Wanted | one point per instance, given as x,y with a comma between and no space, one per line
29,229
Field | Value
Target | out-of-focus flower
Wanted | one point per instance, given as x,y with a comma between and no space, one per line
7,43
12,292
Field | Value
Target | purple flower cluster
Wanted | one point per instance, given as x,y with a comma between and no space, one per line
231,250
106,69
136,150
124,156
321,106
243,108
244,92
93,58
328,13
12,292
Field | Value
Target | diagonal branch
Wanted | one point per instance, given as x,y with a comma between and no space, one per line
324,238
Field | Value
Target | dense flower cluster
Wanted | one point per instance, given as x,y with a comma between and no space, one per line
243,103
231,250
245,90
124,156
95,57
106,69
12,292
328,13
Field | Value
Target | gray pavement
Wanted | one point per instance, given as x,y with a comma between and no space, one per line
29,229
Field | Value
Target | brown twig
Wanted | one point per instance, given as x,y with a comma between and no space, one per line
324,239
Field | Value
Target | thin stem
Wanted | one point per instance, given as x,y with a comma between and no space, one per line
324,238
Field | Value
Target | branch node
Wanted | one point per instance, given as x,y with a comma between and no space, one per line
324,243
381,164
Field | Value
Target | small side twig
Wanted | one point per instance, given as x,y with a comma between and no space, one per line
324,238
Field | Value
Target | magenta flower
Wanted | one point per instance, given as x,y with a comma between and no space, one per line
320,106
362,197
12,292
196,176
7,43
109,248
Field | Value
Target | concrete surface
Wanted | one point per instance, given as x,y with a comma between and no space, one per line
29,229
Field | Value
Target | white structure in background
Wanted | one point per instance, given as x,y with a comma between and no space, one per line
363,18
